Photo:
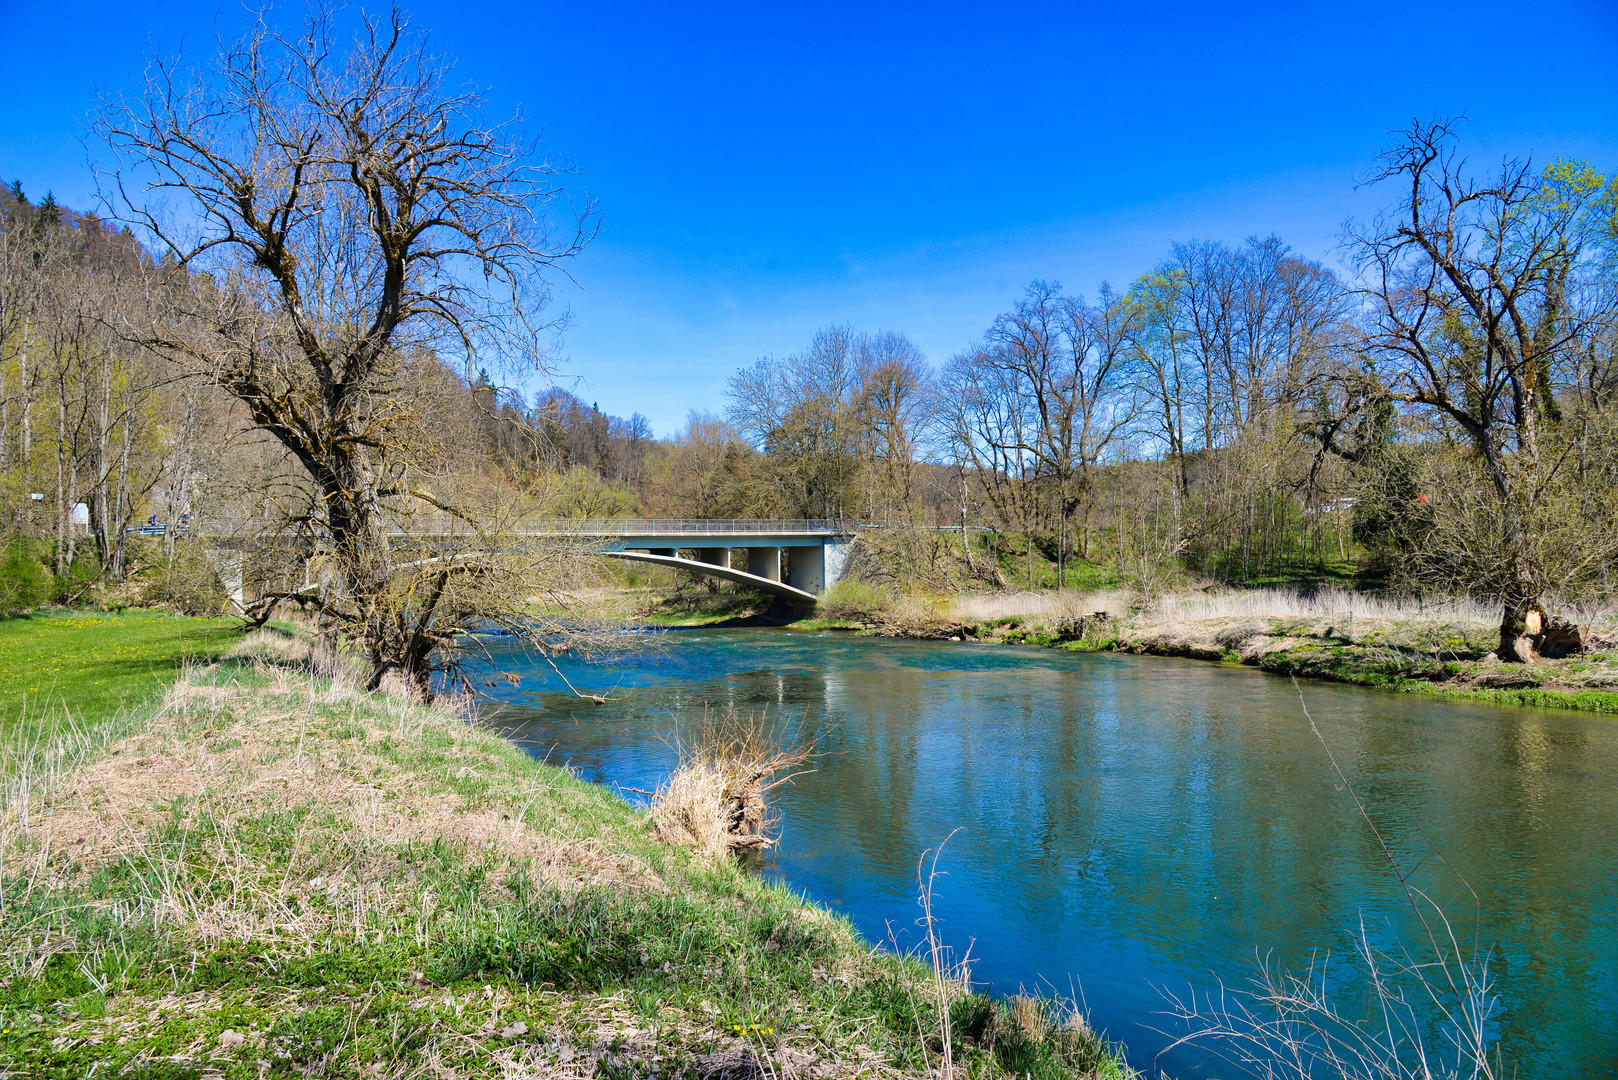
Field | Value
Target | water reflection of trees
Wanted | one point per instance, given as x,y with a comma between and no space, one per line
1130,820
1197,813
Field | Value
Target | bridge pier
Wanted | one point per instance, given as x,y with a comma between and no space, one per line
764,562
806,569
228,564
713,556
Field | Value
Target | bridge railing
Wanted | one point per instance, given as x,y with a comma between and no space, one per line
687,526
606,527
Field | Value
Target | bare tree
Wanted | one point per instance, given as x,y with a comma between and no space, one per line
802,411
895,405
341,212
1164,369
708,471
1037,407
1477,288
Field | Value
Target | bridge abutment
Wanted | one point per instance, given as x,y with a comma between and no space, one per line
834,555
806,568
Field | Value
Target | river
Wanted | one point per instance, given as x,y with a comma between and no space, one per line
1130,825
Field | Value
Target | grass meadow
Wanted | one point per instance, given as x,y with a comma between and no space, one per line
91,665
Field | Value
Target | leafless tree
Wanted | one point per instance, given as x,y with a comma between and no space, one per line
1477,288
802,411
1038,406
895,405
329,210
708,471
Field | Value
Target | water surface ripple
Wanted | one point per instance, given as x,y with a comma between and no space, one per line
1134,823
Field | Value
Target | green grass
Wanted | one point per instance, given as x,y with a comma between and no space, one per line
362,887
94,664
815,625
1426,676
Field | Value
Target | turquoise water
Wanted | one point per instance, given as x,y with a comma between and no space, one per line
1130,825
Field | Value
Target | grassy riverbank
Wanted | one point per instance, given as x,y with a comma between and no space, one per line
1443,649
269,872
92,664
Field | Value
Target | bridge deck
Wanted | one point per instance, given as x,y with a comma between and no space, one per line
649,528
690,526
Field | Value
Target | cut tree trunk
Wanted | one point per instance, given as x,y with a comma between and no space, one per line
1560,638
1521,620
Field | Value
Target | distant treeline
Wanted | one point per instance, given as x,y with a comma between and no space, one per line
1441,418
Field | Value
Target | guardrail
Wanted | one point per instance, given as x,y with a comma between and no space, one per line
687,526
582,527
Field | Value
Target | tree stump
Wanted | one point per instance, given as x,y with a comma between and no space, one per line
1558,637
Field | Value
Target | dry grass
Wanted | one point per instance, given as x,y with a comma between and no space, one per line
1325,604
1322,606
1044,607
224,755
716,800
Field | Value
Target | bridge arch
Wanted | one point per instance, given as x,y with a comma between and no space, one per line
726,573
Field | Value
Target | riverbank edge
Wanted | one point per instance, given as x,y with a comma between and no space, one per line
1382,657
1304,652
414,868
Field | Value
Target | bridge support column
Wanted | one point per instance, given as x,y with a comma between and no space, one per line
715,556
807,569
764,562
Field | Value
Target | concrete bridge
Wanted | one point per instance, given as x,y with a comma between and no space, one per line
796,558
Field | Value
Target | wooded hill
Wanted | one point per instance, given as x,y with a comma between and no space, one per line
1445,420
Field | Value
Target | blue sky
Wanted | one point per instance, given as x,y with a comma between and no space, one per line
767,169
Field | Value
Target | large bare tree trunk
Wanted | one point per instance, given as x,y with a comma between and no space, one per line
120,516
25,459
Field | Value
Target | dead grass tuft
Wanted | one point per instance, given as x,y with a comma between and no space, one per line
1041,607
716,801
1340,605
1029,1014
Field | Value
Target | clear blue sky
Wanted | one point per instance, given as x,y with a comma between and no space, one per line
766,169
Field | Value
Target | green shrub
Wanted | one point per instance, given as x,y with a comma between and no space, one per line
81,574
25,581
851,599
186,584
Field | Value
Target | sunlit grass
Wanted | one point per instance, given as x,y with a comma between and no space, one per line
90,665
275,872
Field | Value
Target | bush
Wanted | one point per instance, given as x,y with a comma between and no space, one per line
851,599
186,583
82,573
25,581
